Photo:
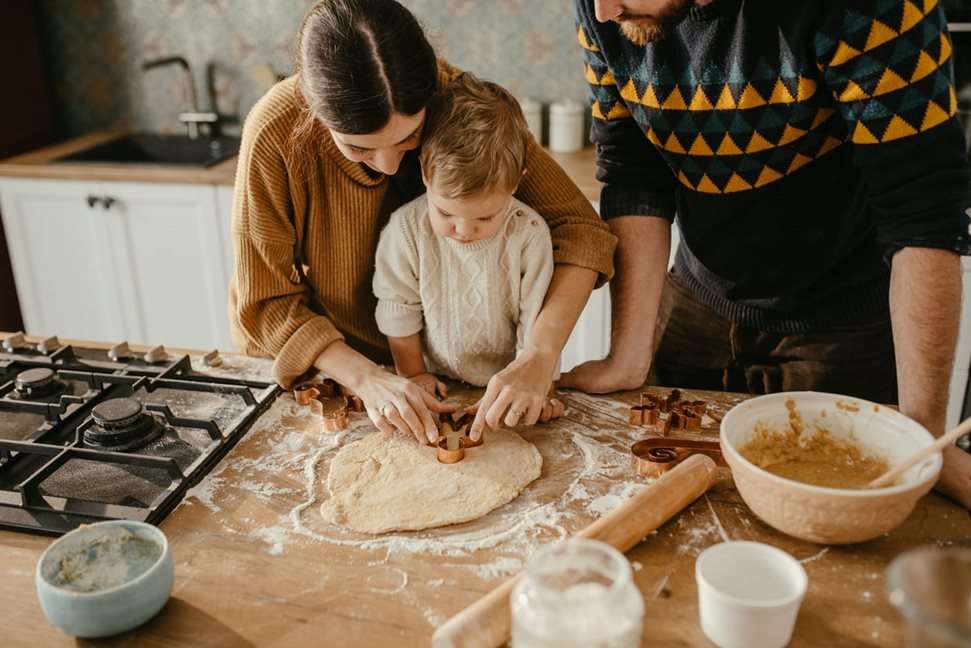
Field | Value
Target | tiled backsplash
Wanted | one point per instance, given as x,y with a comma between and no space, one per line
95,50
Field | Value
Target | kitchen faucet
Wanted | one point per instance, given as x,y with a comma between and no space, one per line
193,116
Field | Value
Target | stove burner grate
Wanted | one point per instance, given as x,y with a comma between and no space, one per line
121,424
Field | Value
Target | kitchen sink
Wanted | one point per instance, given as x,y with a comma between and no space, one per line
152,148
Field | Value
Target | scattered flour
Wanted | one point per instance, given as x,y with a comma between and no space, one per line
274,536
816,556
499,567
438,582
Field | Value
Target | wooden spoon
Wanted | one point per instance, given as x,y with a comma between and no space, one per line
894,473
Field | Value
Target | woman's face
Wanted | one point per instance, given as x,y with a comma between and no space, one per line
383,149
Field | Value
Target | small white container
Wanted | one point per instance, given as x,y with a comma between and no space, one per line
533,112
566,127
749,594
575,594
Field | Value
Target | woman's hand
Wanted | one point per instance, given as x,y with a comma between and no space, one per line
431,384
393,402
517,394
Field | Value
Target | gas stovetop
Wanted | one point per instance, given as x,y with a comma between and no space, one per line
88,435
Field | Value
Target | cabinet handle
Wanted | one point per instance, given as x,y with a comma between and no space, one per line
92,200
107,202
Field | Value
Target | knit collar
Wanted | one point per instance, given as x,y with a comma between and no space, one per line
713,9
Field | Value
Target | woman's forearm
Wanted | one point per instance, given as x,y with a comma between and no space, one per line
568,294
345,365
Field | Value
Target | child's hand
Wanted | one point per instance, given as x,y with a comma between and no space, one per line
431,384
552,409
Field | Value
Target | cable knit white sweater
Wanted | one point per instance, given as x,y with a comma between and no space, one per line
475,302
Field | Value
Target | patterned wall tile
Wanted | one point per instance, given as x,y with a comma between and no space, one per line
96,47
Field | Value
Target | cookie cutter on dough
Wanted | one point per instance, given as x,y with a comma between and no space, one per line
447,455
657,455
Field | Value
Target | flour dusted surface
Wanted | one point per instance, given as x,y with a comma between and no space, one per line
380,483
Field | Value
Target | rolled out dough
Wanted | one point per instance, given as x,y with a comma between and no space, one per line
380,484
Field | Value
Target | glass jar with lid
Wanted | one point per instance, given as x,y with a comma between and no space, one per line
578,592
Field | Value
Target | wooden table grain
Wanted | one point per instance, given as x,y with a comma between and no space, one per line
237,586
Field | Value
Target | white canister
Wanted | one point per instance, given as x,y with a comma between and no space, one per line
566,126
533,112
576,594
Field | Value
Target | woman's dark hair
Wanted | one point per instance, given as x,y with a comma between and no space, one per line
359,61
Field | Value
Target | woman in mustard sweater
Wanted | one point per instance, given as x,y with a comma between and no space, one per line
326,156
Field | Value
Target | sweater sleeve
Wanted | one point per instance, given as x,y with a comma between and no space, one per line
270,308
399,312
888,65
636,179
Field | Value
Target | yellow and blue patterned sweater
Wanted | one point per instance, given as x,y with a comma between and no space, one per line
799,142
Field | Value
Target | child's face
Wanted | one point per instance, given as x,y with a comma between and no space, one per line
468,219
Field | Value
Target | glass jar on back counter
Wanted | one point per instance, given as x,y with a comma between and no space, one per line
577,593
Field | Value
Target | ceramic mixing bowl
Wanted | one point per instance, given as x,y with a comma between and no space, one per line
830,515
114,608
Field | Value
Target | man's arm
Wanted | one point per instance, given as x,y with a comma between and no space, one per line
925,303
916,174
644,245
637,201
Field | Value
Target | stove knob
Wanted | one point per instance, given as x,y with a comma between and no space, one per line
212,359
119,352
14,342
49,345
157,355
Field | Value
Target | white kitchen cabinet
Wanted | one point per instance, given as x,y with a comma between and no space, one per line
143,262
62,261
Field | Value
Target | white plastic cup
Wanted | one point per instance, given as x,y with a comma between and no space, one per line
749,594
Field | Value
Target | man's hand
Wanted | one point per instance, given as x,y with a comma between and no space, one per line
431,384
602,377
955,479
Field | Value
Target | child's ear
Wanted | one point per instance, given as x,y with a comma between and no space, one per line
424,180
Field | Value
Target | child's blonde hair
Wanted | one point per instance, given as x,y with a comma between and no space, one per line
475,138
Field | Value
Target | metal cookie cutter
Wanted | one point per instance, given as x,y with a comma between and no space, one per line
647,412
461,422
334,417
451,449
657,455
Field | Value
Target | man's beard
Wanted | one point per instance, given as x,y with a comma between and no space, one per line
647,30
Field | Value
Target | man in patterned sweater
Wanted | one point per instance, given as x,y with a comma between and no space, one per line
818,172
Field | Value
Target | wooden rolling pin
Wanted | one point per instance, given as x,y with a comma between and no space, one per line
487,623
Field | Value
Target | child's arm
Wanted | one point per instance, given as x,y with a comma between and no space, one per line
399,313
409,362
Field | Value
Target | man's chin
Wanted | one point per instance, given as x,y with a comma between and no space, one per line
642,33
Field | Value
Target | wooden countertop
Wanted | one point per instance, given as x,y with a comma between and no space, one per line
579,166
40,164
247,575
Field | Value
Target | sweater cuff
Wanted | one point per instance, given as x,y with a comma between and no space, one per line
300,352
398,320
626,201
587,247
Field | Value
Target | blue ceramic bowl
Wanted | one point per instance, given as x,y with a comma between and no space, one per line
111,602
